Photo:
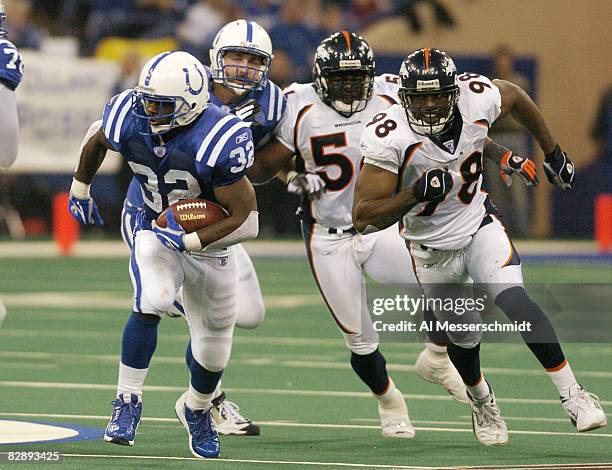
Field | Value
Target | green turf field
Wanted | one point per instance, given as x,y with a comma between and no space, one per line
59,351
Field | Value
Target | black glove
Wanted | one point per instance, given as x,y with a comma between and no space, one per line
559,168
248,112
432,185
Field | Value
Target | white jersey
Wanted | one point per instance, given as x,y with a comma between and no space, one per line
328,142
391,144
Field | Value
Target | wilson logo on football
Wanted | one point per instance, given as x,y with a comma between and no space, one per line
186,217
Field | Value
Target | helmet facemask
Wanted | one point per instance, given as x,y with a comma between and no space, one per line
429,112
159,114
346,91
242,78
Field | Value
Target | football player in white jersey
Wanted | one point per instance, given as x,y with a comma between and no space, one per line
423,165
322,125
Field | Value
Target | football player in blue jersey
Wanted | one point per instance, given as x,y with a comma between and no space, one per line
11,70
179,146
237,82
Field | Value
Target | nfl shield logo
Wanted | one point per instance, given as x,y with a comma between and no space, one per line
223,261
159,151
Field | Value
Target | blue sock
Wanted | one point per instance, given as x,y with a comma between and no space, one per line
189,355
139,340
372,369
203,380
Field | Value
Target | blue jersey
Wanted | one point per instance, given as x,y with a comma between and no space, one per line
272,102
215,150
11,65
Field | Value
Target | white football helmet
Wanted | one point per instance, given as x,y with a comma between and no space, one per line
242,36
172,91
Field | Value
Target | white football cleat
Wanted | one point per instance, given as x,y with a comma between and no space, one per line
583,409
229,421
437,368
489,426
394,420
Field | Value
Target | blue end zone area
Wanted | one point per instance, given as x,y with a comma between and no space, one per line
84,433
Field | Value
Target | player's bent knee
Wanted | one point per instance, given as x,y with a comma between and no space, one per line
251,317
359,347
213,353
159,300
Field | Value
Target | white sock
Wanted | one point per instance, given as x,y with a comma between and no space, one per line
480,390
131,380
217,393
388,393
435,348
563,378
198,401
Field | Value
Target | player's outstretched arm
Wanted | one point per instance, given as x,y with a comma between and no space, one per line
93,150
374,205
558,167
269,160
9,127
516,101
243,223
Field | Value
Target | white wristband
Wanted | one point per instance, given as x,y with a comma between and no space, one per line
192,242
79,190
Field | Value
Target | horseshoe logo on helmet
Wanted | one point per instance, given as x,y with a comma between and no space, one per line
187,81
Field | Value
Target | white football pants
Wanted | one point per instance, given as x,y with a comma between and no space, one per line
489,260
338,263
251,310
209,294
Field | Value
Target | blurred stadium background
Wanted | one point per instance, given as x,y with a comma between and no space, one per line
79,52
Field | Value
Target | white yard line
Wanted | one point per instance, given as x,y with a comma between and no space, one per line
264,391
313,425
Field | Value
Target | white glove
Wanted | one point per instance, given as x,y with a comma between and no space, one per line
309,183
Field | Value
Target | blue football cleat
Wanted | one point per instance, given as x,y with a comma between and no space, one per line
203,436
122,426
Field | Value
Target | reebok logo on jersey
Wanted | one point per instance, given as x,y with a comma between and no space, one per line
242,137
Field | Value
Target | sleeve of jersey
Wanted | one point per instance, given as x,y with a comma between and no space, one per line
284,130
231,156
116,118
11,64
275,106
387,85
490,100
379,152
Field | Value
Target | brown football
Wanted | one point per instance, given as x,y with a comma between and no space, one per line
193,214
